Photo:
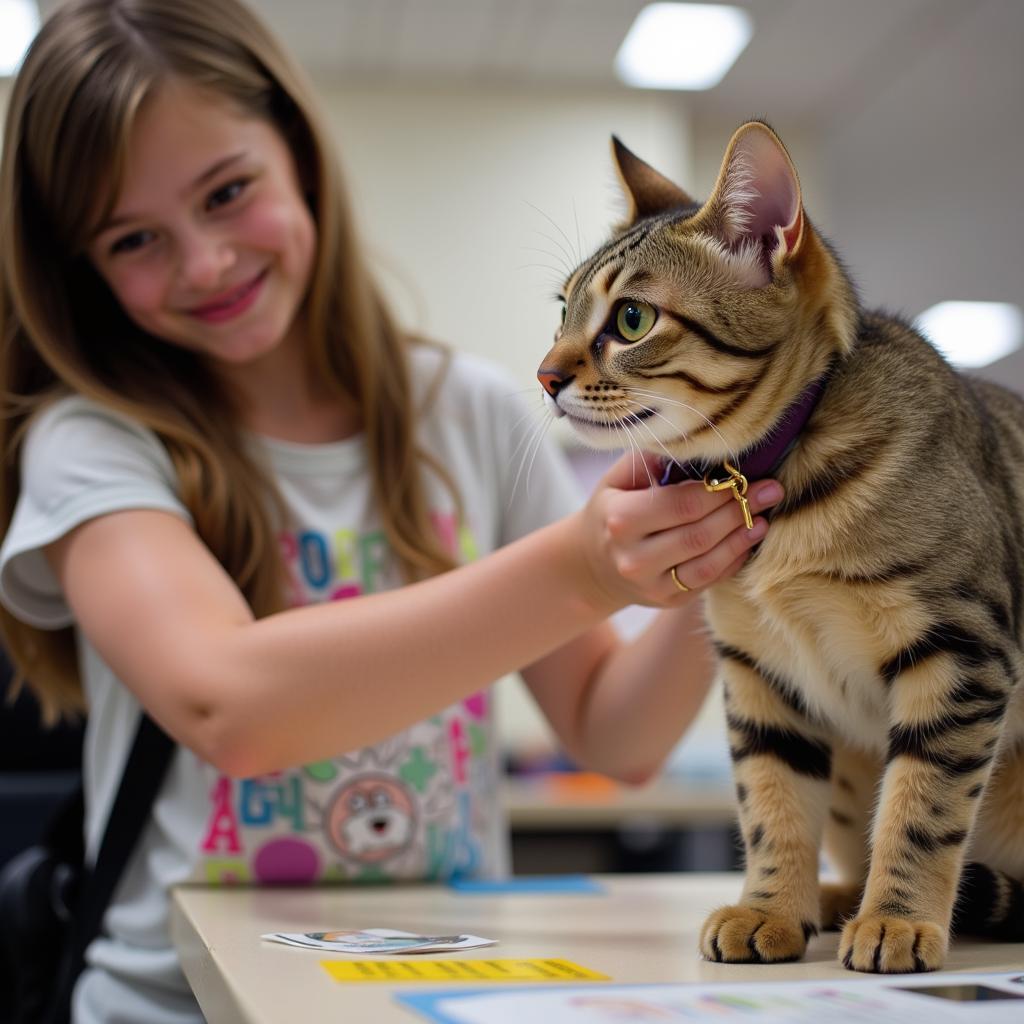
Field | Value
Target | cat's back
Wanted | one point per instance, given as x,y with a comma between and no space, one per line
907,486
964,435
904,449
894,366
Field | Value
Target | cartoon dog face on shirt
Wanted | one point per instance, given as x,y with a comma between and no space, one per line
371,819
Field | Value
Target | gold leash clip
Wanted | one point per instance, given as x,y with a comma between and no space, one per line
737,483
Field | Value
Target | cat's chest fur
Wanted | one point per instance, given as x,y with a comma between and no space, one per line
824,641
899,516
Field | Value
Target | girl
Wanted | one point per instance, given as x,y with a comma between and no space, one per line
214,430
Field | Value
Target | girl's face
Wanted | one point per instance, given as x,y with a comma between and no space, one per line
211,244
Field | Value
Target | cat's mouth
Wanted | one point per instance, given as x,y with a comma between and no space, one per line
583,421
630,419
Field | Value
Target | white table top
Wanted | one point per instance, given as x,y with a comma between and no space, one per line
642,928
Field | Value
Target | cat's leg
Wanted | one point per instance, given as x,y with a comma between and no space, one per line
782,763
990,897
947,695
855,775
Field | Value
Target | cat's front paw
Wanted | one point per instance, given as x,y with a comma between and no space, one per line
892,945
743,935
839,902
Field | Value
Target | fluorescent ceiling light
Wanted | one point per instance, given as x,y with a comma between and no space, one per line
973,334
682,46
19,22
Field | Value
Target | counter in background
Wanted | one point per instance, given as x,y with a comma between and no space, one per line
579,821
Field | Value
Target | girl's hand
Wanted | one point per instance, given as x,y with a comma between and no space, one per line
634,534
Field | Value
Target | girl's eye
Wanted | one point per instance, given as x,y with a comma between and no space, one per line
634,320
226,194
131,243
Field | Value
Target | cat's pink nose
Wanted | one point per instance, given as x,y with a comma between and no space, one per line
552,380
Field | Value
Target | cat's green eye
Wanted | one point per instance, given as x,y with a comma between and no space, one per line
634,319
563,312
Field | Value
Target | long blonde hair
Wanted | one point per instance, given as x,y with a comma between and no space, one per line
70,116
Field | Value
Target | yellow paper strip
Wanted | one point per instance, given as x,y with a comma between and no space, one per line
459,970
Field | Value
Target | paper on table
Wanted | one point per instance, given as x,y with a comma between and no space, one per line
884,999
377,940
527,971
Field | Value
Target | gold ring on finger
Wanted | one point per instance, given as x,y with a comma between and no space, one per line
677,581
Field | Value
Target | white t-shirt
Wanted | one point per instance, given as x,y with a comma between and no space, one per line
421,805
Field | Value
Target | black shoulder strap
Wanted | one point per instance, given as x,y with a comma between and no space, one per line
143,775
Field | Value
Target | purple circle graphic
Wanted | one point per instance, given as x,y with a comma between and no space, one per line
286,861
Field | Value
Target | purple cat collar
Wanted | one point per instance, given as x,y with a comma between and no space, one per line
765,456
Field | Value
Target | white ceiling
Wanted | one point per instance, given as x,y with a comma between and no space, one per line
806,58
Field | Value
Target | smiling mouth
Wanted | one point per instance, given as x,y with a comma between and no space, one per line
231,303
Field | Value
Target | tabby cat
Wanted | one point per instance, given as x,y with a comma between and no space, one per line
873,646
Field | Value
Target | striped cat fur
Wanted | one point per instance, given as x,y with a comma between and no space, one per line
871,649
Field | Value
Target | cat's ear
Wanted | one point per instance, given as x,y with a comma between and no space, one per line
647,190
757,198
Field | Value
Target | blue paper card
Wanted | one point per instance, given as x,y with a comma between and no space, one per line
531,884
426,1003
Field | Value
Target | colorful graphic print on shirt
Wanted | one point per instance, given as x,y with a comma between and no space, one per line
348,562
417,806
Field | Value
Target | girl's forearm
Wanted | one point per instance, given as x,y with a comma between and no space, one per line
314,682
645,695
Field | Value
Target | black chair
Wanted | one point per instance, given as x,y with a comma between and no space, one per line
39,767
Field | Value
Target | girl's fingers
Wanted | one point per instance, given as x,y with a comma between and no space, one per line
650,511
650,531
698,538
764,494
718,563
690,504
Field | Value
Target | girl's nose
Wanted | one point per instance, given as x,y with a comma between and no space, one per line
204,260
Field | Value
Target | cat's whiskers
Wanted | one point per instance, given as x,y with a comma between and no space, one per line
550,279
529,414
536,449
555,280
682,405
730,453
579,246
655,438
530,451
672,459
532,391
630,389
625,427
636,449
561,259
551,220
523,452
528,436
566,256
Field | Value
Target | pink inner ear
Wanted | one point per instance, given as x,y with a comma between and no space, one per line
772,195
